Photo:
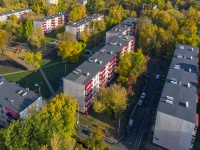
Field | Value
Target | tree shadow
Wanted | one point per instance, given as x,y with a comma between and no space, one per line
12,63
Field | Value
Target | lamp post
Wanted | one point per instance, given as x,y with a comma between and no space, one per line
38,85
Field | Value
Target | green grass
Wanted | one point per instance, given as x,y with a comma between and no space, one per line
143,141
49,61
55,72
50,37
28,79
151,117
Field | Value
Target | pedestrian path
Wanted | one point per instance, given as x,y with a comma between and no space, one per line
47,81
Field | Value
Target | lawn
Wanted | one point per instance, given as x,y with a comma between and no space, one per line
28,79
151,117
143,141
50,37
55,72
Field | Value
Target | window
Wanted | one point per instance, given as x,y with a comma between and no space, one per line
2,112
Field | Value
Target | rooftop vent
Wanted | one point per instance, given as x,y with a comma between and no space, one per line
120,36
75,72
74,23
1,82
180,83
23,94
10,100
190,70
111,52
170,98
100,62
113,43
186,104
126,37
192,49
20,91
181,47
78,70
177,67
86,73
90,60
174,82
119,30
169,102
102,50
188,85
191,57
95,60
179,56
120,44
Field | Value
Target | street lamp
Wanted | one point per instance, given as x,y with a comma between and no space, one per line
38,85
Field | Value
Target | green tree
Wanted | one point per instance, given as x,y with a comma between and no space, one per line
35,59
85,36
28,28
21,36
13,18
112,100
66,36
36,39
131,63
77,11
70,51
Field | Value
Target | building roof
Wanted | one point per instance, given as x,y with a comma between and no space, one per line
13,11
10,98
53,16
123,26
84,20
105,54
181,84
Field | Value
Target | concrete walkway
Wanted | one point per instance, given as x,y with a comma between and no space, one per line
47,81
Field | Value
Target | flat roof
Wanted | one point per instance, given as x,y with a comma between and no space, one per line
123,26
13,11
183,71
53,16
84,20
105,54
10,98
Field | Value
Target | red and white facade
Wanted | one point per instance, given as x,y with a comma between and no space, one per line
52,2
127,27
79,26
49,24
18,13
85,81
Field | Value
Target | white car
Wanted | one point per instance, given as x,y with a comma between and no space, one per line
140,102
143,95
157,76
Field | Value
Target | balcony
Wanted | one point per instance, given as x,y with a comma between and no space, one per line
88,92
88,98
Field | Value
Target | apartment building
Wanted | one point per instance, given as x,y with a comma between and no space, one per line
18,13
49,23
126,27
52,2
83,2
84,82
16,102
176,120
79,26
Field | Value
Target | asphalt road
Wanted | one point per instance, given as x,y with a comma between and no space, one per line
141,113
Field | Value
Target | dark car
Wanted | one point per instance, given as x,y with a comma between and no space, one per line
60,81
128,131
87,132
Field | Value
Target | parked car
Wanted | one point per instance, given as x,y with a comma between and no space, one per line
140,102
88,53
87,132
60,81
128,128
143,95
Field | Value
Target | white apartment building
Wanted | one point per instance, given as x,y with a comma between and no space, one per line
84,82
18,13
126,27
49,23
79,26
16,102
52,2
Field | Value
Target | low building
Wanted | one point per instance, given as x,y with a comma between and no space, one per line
176,120
52,2
49,23
18,13
16,102
84,82
126,27
79,26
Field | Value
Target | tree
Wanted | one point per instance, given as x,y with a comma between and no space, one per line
85,36
131,64
21,36
53,127
28,28
77,11
112,100
3,40
66,36
70,51
117,13
35,59
60,29
13,18
36,38
96,141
